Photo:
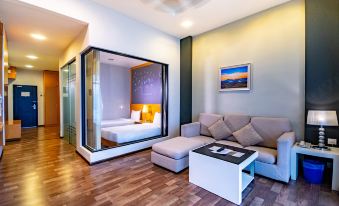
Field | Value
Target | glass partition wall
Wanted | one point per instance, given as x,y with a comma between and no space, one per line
68,102
124,99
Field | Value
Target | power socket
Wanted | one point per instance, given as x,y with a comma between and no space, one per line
331,141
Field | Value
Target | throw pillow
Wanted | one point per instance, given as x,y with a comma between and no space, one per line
219,130
157,119
135,115
247,136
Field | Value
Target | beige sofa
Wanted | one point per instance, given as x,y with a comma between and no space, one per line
274,151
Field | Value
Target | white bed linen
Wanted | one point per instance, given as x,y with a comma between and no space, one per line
116,122
128,133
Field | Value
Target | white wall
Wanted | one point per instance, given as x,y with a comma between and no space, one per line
115,88
110,30
28,77
274,42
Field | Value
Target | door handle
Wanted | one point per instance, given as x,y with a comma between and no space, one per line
34,106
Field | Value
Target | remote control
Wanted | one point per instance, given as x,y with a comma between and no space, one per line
221,149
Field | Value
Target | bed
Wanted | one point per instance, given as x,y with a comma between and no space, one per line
129,133
135,117
116,122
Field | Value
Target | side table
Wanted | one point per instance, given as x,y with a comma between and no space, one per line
333,154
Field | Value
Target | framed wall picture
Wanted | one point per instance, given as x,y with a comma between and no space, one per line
235,78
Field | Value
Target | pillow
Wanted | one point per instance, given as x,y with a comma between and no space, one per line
135,115
157,119
219,130
247,136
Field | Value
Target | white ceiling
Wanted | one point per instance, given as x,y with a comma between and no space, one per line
120,61
205,15
20,20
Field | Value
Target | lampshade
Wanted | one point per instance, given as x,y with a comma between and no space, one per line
145,109
322,118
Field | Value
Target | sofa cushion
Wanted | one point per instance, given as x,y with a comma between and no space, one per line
206,120
204,139
270,129
236,121
247,136
231,138
219,130
265,155
230,143
177,147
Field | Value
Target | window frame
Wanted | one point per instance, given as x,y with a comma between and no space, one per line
164,102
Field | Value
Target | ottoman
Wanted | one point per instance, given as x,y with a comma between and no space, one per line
172,154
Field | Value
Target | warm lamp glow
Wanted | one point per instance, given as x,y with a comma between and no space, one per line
145,109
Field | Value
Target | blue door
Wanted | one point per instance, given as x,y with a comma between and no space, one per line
25,105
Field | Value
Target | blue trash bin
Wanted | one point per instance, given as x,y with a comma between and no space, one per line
313,171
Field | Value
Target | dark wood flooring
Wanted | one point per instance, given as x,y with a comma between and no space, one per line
41,169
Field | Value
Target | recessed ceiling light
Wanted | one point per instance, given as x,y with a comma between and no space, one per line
31,57
39,37
186,24
29,66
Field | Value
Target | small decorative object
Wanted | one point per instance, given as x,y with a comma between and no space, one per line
235,78
322,118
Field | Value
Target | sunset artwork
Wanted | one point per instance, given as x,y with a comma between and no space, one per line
235,78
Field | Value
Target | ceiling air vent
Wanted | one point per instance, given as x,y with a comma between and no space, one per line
174,6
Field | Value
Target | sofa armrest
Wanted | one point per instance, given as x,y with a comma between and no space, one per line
190,130
285,143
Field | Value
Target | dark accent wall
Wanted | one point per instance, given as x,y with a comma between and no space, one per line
322,62
186,80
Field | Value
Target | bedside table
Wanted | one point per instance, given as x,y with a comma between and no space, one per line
331,154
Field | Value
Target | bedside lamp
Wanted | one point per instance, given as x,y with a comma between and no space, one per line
322,118
145,111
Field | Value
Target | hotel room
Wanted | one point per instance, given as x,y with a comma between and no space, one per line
125,99
179,102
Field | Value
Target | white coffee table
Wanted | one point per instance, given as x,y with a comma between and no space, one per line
220,174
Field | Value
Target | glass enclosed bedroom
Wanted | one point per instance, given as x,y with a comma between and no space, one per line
124,99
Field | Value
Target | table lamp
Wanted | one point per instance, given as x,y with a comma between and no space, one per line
145,111
322,118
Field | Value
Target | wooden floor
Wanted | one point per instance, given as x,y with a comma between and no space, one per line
41,169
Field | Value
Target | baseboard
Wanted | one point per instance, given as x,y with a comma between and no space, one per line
111,158
1,150
83,158
51,125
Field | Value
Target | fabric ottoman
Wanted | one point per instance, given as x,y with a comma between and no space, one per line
173,153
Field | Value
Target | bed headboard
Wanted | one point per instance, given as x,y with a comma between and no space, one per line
152,108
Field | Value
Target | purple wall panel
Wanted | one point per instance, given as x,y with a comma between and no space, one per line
146,85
